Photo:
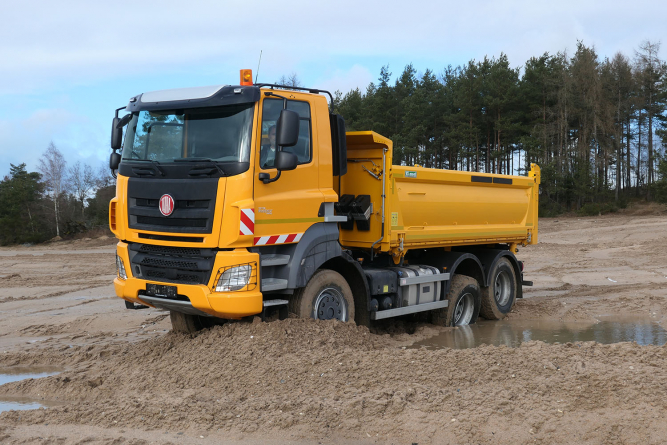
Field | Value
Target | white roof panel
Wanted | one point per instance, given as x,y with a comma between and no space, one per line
181,94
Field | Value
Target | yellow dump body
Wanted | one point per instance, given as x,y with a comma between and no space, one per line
426,207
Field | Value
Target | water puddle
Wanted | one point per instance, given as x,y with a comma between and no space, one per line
513,333
16,374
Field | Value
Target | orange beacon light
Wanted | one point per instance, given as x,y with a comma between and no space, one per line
246,77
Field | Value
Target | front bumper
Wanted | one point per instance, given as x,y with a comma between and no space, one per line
218,304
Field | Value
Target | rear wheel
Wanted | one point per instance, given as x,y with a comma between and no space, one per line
188,323
499,297
327,296
464,303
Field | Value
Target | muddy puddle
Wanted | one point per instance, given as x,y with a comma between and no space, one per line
512,333
8,375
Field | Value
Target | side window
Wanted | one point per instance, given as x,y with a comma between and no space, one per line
270,113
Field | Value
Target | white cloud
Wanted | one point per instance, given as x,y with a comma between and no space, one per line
53,44
78,137
345,80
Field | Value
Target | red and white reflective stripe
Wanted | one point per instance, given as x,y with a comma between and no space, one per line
278,239
247,225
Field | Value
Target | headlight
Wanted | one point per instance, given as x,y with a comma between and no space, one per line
120,268
235,278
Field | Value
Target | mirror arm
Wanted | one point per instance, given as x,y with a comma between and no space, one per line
269,93
121,108
267,179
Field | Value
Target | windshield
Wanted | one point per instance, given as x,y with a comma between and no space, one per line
221,134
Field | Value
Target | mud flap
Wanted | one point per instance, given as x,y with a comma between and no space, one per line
270,306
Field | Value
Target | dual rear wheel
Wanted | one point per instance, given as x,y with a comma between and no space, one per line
467,300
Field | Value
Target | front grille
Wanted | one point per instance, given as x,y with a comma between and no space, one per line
171,264
194,204
168,250
158,262
179,204
172,222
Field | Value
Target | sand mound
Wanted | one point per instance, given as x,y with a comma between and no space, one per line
322,378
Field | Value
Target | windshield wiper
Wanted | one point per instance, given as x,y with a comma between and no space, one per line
156,163
207,160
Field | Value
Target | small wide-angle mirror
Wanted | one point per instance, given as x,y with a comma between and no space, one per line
114,160
286,160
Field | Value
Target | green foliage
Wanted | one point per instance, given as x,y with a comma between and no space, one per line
661,185
97,211
587,122
593,209
27,207
19,213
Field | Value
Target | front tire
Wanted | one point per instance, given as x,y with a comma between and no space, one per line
327,296
499,297
188,324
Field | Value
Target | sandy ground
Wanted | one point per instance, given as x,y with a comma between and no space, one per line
128,380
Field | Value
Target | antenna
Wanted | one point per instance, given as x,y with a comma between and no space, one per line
260,61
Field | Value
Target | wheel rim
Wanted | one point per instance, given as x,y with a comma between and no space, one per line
329,305
464,309
502,289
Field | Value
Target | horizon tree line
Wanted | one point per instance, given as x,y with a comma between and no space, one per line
596,127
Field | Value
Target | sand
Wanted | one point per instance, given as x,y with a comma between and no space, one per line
128,379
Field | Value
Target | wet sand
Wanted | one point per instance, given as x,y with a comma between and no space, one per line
127,379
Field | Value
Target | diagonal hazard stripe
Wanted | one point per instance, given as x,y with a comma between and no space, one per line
248,223
277,239
244,230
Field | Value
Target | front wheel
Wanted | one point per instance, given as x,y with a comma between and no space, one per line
188,323
499,297
327,296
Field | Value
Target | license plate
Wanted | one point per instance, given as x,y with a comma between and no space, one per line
160,290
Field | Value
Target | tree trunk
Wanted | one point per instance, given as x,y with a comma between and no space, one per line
55,209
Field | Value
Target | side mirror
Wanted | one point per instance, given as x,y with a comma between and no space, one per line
114,161
285,160
116,134
287,128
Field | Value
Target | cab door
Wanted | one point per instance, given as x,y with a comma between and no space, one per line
286,208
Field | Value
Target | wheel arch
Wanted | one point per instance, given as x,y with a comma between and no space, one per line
353,274
463,263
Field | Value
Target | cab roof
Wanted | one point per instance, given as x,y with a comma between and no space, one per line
195,97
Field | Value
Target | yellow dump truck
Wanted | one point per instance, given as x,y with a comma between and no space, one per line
245,200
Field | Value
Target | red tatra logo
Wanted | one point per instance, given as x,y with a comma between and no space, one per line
166,205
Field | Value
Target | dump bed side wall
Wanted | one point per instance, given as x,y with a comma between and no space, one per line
436,208
452,207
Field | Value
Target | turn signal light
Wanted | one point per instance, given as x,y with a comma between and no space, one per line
112,216
246,77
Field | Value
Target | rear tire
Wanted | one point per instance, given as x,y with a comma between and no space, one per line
326,296
187,323
464,303
499,297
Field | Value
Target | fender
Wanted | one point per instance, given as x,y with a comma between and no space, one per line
318,245
463,263
349,268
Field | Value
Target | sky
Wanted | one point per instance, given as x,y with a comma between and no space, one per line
67,65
